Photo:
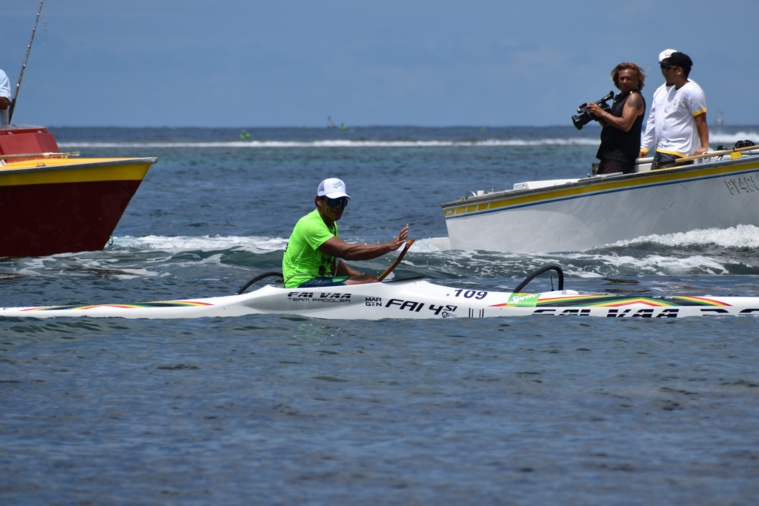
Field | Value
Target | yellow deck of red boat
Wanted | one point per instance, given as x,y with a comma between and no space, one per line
73,170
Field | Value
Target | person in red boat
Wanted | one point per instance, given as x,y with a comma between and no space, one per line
5,98
314,254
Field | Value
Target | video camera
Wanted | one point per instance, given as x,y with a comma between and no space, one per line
583,117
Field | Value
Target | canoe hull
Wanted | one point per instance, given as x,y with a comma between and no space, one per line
411,299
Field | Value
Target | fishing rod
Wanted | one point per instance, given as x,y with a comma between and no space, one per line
23,67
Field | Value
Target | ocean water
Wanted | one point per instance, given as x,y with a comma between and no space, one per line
284,410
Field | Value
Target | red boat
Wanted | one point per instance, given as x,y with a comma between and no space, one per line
52,203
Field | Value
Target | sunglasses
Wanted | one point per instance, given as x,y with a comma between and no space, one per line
664,66
342,201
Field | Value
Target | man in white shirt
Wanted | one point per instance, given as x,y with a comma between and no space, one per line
677,122
5,98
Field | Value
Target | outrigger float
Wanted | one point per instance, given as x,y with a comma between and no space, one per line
407,299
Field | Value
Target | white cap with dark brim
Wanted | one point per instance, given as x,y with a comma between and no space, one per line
332,188
666,54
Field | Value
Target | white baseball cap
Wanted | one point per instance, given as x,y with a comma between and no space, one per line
332,188
666,54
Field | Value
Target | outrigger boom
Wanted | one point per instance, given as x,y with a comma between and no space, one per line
408,299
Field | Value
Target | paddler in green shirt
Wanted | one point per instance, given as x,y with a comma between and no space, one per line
315,253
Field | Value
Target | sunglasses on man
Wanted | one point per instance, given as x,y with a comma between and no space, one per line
342,201
664,66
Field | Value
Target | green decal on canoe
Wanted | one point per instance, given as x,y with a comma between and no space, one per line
523,299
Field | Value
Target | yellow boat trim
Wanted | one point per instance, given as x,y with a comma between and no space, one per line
589,188
80,170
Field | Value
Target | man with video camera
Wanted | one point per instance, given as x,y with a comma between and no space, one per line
623,122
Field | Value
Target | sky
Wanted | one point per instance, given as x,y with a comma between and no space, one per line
273,63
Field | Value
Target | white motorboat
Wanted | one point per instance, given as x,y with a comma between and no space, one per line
720,190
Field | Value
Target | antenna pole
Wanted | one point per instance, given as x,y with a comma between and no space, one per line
23,67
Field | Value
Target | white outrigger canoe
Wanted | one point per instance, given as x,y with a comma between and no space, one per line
407,299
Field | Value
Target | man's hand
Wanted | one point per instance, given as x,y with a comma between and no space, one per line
703,133
596,112
401,239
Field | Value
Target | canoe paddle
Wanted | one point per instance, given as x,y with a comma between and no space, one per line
397,260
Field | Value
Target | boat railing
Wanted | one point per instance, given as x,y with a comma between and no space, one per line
644,164
735,152
39,155
17,157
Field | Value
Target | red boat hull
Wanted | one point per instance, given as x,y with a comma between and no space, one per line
46,219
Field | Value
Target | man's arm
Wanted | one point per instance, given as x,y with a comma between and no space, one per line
5,91
338,248
649,134
703,133
633,108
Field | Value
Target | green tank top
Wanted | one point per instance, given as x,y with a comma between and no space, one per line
302,260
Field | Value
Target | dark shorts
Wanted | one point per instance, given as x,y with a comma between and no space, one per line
316,282
613,166
665,160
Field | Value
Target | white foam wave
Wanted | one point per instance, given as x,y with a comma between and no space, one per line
717,137
430,245
706,251
738,237
653,265
83,264
336,143
713,251
203,243
251,244
741,236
